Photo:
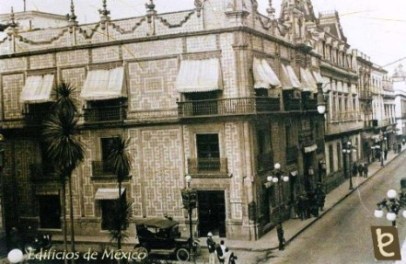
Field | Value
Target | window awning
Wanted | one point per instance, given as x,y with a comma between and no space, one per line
310,148
264,76
104,85
318,77
37,89
289,78
308,82
108,193
199,76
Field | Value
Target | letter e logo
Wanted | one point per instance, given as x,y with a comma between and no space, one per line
386,242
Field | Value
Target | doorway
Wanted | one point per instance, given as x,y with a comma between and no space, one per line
212,213
49,211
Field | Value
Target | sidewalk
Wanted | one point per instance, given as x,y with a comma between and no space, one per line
294,227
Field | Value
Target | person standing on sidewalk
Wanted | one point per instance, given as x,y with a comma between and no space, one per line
281,237
385,152
365,170
211,246
360,169
354,169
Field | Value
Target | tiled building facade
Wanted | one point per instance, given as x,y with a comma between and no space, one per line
219,92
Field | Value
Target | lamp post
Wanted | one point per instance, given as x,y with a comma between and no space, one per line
189,199
392,204
348,149
277,177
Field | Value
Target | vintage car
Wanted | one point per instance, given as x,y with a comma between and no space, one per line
162,236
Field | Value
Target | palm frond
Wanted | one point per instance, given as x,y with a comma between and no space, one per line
119,158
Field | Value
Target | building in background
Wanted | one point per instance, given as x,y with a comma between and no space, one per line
220,93
399,86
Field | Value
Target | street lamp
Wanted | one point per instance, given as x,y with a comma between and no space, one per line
189,199
321,102
348,149
277,177
392,204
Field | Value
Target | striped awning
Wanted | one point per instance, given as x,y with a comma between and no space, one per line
318,77
199,76
308,82
104,85
264,76
37,89
289,78
108,193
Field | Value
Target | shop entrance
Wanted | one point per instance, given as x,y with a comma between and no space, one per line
212,213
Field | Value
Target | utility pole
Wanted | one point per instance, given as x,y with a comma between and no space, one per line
25,9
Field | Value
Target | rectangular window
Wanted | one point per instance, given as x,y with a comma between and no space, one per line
331,158
106,147
339,165
110,211
49,211
208,151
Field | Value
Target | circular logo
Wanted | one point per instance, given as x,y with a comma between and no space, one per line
15,256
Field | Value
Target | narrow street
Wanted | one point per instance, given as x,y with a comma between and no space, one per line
343,235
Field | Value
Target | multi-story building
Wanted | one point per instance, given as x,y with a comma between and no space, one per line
219,92
343,120
399,86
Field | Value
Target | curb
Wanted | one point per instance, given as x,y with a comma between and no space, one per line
323,212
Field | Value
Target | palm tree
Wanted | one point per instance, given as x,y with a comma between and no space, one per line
120,162
63,147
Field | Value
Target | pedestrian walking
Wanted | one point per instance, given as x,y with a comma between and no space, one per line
399,148
385,153
281,237
220,251
365,170
211,246
360,170
354,169
301,211
320,196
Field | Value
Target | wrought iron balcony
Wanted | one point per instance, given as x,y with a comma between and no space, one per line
265,161
292,104
43,172
34,114
102,169
208,167
229,106
105,114
309,104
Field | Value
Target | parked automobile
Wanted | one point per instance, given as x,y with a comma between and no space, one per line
162,236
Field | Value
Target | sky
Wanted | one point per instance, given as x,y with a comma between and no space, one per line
375,27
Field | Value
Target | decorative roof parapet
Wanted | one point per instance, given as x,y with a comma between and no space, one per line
151,13
12,29
198,6
104,15
72,22
271,11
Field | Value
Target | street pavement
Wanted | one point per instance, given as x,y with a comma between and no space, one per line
265,248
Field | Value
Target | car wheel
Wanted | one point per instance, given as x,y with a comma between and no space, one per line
29,249
182,254
142,252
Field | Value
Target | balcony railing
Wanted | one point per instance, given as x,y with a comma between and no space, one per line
105,114
365,95
346,116
291,154
42,172
207,166
34,114
102,169
309,104
230,106
265,161
292,104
